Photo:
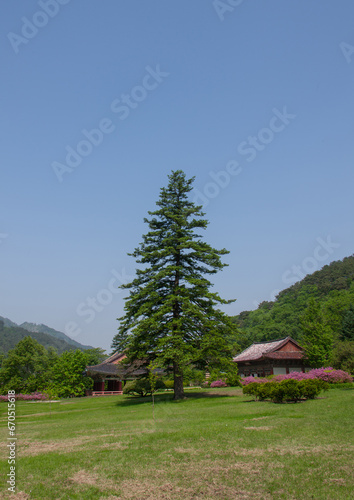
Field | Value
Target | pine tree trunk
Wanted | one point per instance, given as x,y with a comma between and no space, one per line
178,382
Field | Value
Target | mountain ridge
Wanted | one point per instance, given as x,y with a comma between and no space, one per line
11,333
41,328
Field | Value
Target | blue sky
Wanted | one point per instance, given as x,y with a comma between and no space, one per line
101,100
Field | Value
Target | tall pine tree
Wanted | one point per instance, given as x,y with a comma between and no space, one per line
171,315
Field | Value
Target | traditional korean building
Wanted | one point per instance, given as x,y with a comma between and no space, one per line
110,375
271,358
107,375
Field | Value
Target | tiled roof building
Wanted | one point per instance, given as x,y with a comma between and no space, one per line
110,375
268,358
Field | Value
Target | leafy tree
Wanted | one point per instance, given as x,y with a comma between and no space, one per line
67,376
171,315
317,337
347,331
95,356
25,367
343,356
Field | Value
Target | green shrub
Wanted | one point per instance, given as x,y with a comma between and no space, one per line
311,388
233,379
286,390
142,387
265,390
169,384
251,389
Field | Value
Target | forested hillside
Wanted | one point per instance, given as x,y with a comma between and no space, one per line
332,288
33,327
10,336
48,337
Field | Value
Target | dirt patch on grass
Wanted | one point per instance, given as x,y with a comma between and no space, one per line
32,448
339,480
115,446
290,449
20,495
94,478
205,480
247,452
138,490
264,428
85,477
190,451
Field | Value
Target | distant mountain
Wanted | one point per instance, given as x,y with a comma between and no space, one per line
8,322
11,334
32,327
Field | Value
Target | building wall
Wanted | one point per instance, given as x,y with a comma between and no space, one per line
289,347
279,370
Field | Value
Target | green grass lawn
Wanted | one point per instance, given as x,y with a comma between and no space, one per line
216,444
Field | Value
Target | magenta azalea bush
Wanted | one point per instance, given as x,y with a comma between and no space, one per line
218,383
35,396
325,374
249,380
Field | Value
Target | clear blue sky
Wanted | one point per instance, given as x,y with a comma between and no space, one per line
263,90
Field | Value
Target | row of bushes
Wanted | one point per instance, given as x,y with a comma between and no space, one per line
286,390
325,374
142,387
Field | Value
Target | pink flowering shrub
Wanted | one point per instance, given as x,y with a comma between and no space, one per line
218,383
249,380
35,396
325,374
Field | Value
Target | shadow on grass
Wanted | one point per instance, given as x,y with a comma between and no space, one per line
168,397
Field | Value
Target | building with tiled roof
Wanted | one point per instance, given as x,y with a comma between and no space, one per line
271,358
110,375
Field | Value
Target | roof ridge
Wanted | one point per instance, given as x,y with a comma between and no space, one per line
270,341
259,349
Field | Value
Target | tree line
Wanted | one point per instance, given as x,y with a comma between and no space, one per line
30,367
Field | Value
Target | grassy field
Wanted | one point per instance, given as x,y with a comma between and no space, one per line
216,444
